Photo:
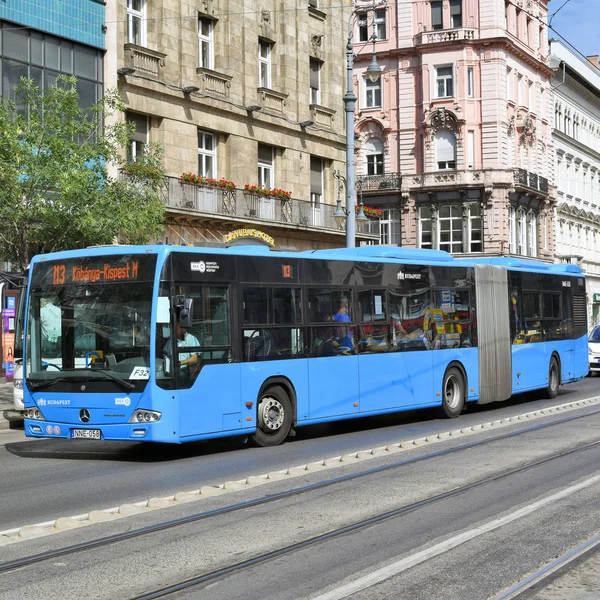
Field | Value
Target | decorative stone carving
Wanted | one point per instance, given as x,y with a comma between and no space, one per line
443,119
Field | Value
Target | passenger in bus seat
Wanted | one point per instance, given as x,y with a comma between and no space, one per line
345,336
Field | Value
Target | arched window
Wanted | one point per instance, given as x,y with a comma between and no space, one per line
445,150
374,154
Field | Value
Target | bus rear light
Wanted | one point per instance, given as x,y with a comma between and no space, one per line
33,413
145,416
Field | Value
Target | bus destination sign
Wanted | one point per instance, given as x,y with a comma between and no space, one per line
106,269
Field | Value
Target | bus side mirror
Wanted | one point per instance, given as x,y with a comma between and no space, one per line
185,313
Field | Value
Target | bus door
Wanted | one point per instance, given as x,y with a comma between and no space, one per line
196,356
333,361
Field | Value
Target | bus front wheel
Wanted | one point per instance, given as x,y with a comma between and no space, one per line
274,417
453,393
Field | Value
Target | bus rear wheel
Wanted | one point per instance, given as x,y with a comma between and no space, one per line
553,379
453,393
274,417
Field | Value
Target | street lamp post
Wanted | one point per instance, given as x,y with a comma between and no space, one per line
374,73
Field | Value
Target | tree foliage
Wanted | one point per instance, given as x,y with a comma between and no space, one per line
55,189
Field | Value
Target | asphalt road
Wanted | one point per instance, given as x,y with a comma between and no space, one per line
46,479
468,546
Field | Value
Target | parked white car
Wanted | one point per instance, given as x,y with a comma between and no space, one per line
18,386
594,350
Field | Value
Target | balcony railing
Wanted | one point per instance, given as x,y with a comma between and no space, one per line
239,205
530,180
462,34
384,181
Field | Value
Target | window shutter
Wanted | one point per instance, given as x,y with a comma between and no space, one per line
445,144
265,154
314,73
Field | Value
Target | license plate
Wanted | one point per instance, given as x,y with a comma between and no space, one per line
86,434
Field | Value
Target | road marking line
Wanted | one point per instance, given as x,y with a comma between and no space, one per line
410,561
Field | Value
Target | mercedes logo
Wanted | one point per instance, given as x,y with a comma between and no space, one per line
84,415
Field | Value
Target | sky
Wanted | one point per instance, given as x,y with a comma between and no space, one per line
578,21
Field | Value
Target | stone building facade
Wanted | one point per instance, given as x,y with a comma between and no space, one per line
252,94
462,120
576,93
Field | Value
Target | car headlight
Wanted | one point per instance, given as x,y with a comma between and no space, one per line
18,384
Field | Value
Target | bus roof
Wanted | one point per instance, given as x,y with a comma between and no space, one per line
376,253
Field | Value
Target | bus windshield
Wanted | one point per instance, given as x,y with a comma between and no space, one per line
92,332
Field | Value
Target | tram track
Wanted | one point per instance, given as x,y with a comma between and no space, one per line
166,525
550,572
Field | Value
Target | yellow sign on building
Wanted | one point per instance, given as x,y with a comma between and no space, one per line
249,233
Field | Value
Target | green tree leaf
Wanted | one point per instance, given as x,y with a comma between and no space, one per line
55,188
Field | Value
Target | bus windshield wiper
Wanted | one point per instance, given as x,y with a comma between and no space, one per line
124,383
38,385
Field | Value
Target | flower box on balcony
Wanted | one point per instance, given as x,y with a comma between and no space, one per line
258,190
194,179
371,213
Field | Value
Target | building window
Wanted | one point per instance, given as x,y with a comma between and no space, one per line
372,93
455,13
470,83
425,228
265,166
510,88
471,149
206,43
445,150
41,57
316,190
523,232
207,156
136,25
450,227
455,228
315,81
264,64
139,139
527,32
380,28
444,79
475,228
389,227
374,154
436,15
362,22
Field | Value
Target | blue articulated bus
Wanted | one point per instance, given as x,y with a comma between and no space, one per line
176,344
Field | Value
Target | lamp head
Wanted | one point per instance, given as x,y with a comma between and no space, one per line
126,71
253,108
374,71
190,89
304,124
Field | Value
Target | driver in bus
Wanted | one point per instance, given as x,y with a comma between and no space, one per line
184,339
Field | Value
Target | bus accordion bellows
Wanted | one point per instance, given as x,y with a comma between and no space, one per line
175,344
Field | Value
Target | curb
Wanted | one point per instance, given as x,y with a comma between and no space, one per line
19,534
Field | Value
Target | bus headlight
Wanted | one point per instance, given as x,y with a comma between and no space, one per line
34,414
145,416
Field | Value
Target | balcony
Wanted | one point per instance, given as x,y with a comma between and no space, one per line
144,60
453,179
214,83
463,34
530,181
203,203
376,183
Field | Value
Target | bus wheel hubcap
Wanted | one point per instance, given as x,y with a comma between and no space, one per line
270,414
452,392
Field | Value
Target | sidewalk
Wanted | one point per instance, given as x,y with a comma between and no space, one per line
8,417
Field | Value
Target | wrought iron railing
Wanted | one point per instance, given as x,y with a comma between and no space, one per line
384,181
530,180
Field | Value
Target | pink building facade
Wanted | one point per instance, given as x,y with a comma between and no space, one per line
455,141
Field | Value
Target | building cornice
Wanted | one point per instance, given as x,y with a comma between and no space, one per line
563,137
